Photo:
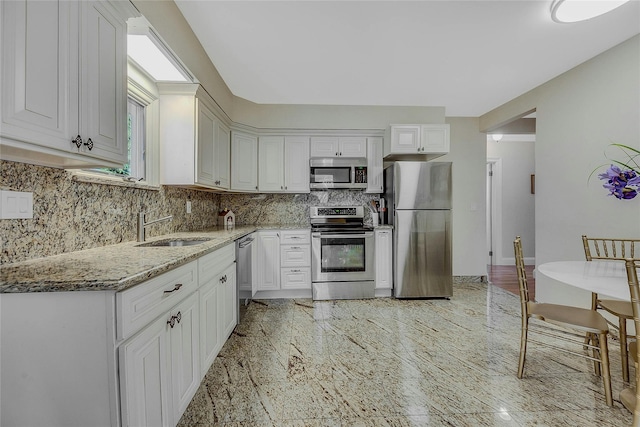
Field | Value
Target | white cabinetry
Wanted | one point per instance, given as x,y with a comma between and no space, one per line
384,261
244,162
283,164
159,367
64,82
195,143
295,259
338,146
268,263
217,278
418,139
284,260
374,165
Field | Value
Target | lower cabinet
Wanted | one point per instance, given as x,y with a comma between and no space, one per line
161,366
384,258
160,369
284,260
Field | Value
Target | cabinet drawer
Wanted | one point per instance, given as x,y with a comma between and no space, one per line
213,263
295,255
138,306
295,237
295,278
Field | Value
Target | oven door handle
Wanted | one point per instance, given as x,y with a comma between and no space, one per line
341,236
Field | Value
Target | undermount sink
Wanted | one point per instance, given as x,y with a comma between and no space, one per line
173,242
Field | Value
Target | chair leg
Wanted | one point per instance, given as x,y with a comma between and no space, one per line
595,353
606,373
624,352
523,346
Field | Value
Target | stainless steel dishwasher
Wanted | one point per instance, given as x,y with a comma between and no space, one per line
244,273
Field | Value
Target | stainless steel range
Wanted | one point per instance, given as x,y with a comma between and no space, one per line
342,252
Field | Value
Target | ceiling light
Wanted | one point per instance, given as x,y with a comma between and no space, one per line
496,136
580,10
148,55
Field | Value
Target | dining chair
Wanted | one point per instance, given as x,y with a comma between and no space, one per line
630,396
571,325
613,249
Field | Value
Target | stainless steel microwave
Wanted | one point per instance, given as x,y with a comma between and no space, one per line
340,172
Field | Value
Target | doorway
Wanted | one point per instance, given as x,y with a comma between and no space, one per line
510,202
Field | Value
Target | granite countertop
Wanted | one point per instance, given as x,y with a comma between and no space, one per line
115,267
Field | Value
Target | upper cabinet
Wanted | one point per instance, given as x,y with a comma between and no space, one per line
195,144
374,165
64,82
417,139
338,146
244,162
283,164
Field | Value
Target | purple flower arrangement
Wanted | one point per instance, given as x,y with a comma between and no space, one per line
623,178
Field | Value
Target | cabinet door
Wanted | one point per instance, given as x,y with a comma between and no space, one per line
185,354
210,329
244,162
229,302
296,164
353,146
205,173
435,139
383,259
40,72
325,146
374,165
222,160
268,261
271,163
145,392
405,139
103,91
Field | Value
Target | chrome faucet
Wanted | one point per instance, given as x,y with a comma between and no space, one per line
143,225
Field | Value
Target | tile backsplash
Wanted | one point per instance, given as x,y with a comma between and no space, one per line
70,215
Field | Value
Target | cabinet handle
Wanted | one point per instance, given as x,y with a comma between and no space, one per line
296,247
77,141
256,187
175,288
172,321
217,183
278,234
295,271
337,154
89,144
285,187
178,317
225,278
281,187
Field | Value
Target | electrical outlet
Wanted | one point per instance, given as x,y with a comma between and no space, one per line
16,205
188,206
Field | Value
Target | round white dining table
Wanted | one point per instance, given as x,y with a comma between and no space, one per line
604,277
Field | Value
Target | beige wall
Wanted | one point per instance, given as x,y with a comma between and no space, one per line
578,115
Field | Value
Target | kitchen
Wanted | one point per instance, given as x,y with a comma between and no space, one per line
94,215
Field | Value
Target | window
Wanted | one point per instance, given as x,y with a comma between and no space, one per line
136,139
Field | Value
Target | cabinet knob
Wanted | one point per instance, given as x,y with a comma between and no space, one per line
217,182
179,317
337,154
285,187
281,187
77,141
89,144
256,187
172,321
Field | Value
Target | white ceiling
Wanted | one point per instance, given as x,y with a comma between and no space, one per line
468,56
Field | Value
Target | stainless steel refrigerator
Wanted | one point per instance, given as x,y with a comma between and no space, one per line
419,199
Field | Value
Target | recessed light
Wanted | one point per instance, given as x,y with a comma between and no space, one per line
566,11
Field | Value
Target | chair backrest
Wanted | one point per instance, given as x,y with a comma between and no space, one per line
632,266
607,248
522,276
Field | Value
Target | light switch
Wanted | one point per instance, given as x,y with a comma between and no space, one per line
16,205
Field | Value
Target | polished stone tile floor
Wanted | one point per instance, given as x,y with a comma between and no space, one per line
388,362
